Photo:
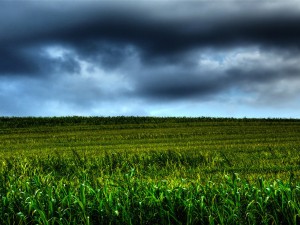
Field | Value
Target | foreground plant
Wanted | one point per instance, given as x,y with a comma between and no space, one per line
33,197
130,170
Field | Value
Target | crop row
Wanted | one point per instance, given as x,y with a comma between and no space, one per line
147,170
78,191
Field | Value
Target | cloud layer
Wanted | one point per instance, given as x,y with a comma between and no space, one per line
191,58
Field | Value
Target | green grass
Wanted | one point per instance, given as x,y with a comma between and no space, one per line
144,170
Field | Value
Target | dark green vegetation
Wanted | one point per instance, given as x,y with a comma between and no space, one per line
143,170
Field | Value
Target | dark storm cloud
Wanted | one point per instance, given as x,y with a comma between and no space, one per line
14,61
252,71
158,38
34,62
166,86
190,86
155,30
159,51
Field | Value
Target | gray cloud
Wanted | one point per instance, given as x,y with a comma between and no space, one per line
34,62
251,71
87,55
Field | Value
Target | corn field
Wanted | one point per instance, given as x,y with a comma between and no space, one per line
147,170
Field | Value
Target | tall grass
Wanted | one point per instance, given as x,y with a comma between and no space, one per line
101,190
78,170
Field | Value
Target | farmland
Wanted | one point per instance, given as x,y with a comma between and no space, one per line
145,170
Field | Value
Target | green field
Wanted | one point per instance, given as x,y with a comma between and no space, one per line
145,170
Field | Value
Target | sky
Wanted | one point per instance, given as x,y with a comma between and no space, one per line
194,58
